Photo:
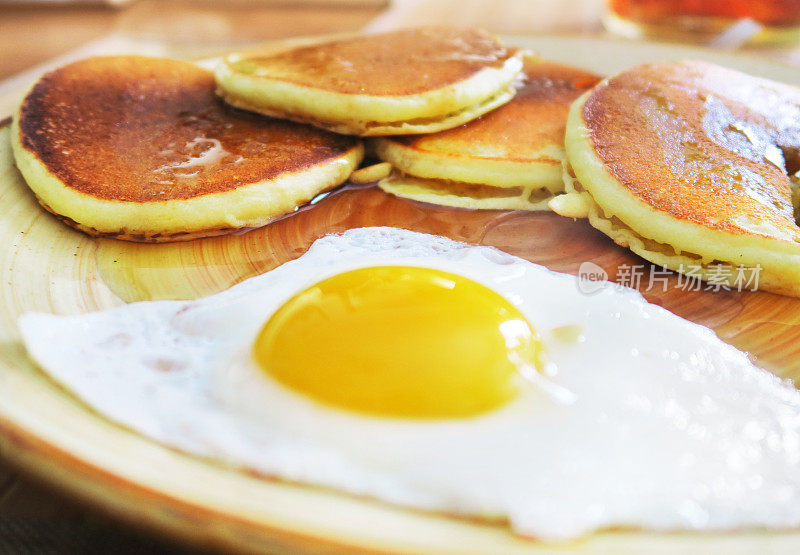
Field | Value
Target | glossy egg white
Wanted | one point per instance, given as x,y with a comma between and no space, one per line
642,420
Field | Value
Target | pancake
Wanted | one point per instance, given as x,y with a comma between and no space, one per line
688,164
408,81
142,149
510,158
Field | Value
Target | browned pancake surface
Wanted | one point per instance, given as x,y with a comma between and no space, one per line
706,144
533,120
143,129
398,63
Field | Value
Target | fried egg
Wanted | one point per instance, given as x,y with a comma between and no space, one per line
429,373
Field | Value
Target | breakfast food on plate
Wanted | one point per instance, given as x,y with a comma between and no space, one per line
142,149
510,158
691,165
407,81
459,379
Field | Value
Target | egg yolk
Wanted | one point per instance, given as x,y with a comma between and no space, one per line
400,341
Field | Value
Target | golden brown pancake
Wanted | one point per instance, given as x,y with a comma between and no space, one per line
142,148
723,127
517,131
508,158
688,163
412,80
399,63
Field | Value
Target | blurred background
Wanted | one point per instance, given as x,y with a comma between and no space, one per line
38,34
34,31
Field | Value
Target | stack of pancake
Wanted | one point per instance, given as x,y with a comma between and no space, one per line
149,149
510,158
688,164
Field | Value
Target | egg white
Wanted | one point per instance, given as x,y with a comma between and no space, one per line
646,420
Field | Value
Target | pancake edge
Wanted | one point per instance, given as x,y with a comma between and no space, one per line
372,128
371,174
632,223
495,172
421,191
180,219
274,96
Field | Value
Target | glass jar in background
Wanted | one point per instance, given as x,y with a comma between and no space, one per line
756,21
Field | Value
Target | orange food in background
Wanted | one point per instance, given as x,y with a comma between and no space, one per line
777,13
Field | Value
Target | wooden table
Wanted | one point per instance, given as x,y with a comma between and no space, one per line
35,35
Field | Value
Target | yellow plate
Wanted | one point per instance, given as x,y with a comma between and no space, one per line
46,266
